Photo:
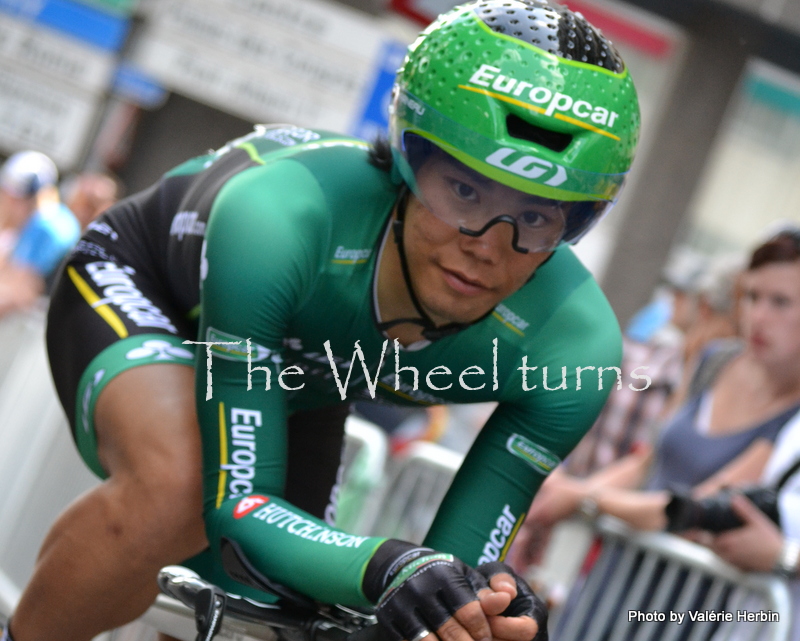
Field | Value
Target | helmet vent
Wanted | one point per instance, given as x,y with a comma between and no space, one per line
519,128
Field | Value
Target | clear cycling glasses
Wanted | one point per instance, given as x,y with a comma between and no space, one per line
473,204
474,201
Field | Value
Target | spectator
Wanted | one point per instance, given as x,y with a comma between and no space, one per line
717,296
759,545
37,229
720,436
703,309
89,195
22,176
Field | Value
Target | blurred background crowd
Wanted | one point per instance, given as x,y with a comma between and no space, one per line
40,221
700,258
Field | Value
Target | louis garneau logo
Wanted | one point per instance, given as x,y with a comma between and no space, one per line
161,350
527,166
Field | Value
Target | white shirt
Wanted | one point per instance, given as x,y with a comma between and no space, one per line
786,451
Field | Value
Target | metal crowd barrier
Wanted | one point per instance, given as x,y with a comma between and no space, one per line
415,486
648,586
638,575
364,460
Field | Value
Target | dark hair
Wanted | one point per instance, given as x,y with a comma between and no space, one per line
380,154
783,247
418,149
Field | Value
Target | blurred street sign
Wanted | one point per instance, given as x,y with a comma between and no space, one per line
41,113
306,62
57,60
101,29
374,119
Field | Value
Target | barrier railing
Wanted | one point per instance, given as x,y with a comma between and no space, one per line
648,586
415,486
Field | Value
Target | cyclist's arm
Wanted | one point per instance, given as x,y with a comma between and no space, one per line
259,269
531,432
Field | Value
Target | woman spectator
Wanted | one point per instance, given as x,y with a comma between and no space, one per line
759,545
723,434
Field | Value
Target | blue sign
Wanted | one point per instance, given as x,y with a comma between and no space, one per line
101,29
374,118
138,87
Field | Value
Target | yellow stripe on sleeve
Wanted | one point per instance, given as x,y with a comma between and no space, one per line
223,455
106,313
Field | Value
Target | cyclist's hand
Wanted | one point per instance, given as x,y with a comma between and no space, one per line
428,594
525,618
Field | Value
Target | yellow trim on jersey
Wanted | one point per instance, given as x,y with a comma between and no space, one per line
106,313
507,324
223,455
512,536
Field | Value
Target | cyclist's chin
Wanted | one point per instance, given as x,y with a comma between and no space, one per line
453,309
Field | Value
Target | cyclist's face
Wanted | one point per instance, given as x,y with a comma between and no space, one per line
466,200
458,278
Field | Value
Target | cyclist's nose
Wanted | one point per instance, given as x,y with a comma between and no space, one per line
493,243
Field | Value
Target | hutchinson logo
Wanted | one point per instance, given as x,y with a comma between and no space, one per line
248,504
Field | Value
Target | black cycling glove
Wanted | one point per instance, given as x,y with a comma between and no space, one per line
526,603
417,589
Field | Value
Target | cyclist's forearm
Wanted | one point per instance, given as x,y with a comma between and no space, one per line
492,492
294,548
244,453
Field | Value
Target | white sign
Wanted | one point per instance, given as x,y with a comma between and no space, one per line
38,113
46,51
305,62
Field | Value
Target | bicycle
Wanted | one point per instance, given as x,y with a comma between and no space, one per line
292,618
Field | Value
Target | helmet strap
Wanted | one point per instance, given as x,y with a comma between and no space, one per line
429,329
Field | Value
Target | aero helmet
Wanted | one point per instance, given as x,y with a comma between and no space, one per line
525,93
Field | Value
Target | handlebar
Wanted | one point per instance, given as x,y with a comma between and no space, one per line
211,606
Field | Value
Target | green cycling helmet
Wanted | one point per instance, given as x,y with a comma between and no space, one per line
529,95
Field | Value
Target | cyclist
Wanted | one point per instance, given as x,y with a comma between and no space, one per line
296,256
